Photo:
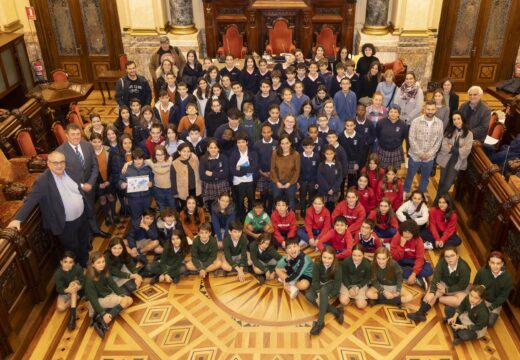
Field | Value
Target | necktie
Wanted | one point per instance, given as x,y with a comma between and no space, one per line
80,156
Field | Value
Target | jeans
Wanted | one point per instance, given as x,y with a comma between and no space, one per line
164,198
290,193
454,240
385,234
413,167
301,233
407,266
448,176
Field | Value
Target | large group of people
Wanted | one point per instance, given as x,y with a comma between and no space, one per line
232,158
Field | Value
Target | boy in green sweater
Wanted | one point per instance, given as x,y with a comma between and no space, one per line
257,221
264,258
204,252
69,279
235,250
449,284
470,320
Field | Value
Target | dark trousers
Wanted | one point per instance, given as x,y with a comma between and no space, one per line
137,205
240,193
76,238
386,233
307,191
311,295
407,266
453,240
91,199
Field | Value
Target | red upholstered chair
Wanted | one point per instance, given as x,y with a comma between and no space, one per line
123,58
399,69
59,75
74,109
59,133
26,145
327,39
280,38
232,43
496,129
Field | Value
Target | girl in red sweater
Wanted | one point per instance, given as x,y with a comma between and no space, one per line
442,230
317,221
390,187
367,196
352,210
374,172
339,238
367,238
385,220
284,222
407,249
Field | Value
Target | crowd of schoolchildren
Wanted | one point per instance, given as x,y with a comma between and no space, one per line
232,159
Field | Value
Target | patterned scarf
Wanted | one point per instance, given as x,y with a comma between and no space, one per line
409,92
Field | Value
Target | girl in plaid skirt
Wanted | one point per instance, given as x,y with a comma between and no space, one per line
214,173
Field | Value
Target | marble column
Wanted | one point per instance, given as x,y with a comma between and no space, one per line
181,17
376,20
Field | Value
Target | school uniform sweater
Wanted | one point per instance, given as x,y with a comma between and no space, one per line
171,264
265,153
233,74
262,104
309,167
412,249
137,233
314,221
298,101
297,267
383,224
479,314
322,276
64,278
366,131
218,166
374,176
395,196
212,121
283,224
104,286
497,288
438,224
259,258
354,216
345,104
204,254
367,198
220,220
394,279
353,146
230,250
329,177
165,231
285,168
352,275
342,243
370,244
249,81
341,157
310,86
304,122
390,135
458,280
287,108
115,264
275,126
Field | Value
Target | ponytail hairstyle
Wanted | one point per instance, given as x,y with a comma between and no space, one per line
334,267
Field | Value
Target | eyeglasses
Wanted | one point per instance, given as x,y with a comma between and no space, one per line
56,163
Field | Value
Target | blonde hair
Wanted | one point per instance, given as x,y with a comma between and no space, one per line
388,73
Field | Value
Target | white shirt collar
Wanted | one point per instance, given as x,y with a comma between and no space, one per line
267,142
349,136
309,156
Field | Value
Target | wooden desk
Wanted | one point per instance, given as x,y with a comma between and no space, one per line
62,92
106,77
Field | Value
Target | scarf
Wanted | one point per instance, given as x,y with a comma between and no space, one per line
409,92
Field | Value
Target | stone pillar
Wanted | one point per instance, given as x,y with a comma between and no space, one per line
376,19
181,17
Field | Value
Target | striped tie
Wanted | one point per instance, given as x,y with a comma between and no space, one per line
80,155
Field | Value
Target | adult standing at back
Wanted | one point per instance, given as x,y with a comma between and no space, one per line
425,136
62,205
363,64
476,113
165,51
82,167
132,86
410,98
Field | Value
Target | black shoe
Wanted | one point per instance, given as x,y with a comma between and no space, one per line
176,279
72,319
316,328
116,220
261,279
340,318
457,341
154,280
108,221
103,234
416,316
99,326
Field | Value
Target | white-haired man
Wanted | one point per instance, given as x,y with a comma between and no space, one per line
476,113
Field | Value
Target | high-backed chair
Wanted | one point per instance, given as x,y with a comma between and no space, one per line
399,69
496,129
59,75
232,43
123,58
59,133
327,39
280,38
26,144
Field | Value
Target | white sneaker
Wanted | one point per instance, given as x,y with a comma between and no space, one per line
293,291
428,245
387,245
303,244
406,162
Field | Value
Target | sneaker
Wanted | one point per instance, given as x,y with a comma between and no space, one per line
428,245
387,245
416,316
303,244
406,162
293,291
316,328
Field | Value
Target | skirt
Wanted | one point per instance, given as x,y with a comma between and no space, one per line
263,185
351,168
362,293
121,281
394,157
212,190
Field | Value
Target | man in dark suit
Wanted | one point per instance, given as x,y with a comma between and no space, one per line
82,167
63,207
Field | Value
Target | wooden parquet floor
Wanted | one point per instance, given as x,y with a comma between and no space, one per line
220,318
